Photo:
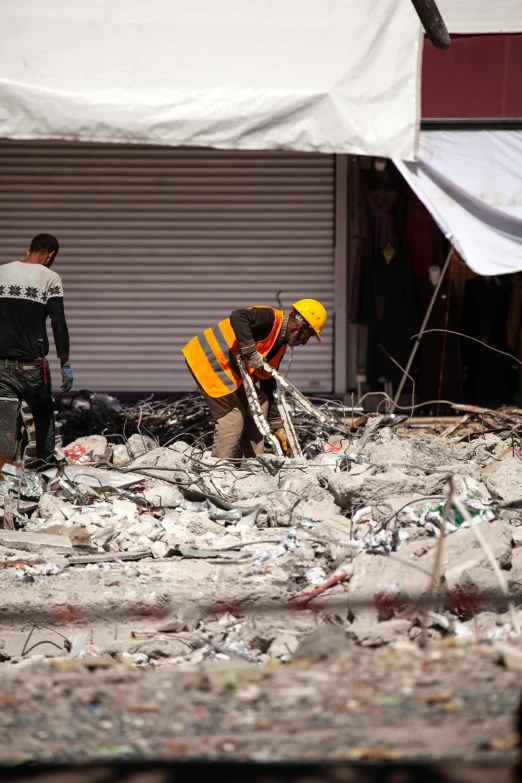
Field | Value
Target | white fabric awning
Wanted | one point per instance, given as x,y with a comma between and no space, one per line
312,75
470,181
478,16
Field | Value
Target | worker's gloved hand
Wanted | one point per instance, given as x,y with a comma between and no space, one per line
67,377
281,436
256,360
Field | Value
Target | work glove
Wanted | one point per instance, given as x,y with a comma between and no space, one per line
281,436
67,377
256,360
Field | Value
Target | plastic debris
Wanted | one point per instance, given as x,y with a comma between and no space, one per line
289,543
430,515
315,576
39,569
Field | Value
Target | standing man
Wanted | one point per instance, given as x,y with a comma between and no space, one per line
260,334
29,292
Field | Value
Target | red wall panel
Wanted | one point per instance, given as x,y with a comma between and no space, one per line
478,76
513,86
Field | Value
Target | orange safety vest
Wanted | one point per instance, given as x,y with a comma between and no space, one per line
212,354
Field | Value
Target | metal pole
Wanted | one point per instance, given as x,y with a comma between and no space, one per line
423,327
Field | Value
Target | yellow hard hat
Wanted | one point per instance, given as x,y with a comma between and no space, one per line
313,313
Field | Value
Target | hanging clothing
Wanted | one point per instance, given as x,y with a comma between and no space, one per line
422,242
384,300
378,204
390,321
438,360
488,375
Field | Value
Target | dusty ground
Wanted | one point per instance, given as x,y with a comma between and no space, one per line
396,703
159,670
334,700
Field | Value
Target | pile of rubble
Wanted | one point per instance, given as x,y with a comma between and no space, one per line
361,517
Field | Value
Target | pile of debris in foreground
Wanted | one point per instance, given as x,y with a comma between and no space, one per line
176,530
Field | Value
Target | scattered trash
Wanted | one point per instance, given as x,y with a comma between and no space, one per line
430,516
289,543
39,569
315,576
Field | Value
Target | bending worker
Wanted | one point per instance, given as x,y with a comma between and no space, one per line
260,334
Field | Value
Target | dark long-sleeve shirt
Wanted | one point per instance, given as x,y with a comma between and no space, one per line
29,293
251,326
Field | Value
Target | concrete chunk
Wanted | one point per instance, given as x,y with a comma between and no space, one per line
29,542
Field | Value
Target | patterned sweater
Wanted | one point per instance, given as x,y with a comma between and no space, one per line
28,294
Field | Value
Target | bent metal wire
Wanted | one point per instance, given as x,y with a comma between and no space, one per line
255,408
288,424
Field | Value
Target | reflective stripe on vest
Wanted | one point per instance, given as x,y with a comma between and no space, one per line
211,356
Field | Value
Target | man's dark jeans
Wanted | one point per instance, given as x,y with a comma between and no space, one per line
25,381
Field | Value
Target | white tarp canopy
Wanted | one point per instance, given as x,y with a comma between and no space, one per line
471,183
482,16
312,75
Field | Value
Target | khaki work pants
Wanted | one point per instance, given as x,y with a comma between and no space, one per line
235,425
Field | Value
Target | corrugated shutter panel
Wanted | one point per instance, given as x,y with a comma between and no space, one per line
158,243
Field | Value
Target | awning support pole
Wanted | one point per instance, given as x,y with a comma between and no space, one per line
423,327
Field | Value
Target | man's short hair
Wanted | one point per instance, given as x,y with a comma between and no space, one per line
44,243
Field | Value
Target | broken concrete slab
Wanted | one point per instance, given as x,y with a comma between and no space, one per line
162,456
372,573
29,542
462,551
90,448
346,487
253,486
49,505
108,557
140,444
159,549
478,579
162,495
504,478
77,534
355,490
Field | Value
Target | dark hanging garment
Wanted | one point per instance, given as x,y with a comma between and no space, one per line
422,242
390,322
378,203
488,375
438,373
386,303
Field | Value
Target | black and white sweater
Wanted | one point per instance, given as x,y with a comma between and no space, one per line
28,294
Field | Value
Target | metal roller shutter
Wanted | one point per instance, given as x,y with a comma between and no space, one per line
158,243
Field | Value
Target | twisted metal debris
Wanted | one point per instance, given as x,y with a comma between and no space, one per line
183,417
